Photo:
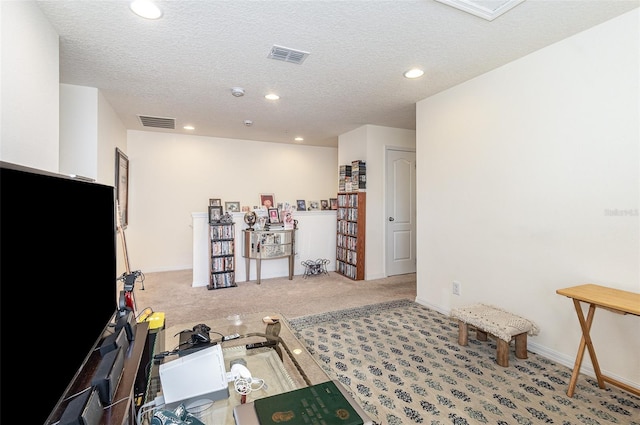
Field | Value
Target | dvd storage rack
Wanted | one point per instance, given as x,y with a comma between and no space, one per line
351,231
222,258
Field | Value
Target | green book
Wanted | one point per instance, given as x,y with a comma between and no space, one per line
320,404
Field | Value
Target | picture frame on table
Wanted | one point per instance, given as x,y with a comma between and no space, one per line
267,200
324,204
301,205
274,215
314,205
215,202
215,213
122,187
333,203
232,206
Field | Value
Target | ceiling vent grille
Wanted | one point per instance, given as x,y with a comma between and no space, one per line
287,55
157,122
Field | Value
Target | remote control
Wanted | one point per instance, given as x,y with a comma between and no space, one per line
261,344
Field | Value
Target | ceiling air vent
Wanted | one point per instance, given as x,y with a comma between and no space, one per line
157,122
288,55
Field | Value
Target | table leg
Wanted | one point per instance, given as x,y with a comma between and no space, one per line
291,267
258,268
585,341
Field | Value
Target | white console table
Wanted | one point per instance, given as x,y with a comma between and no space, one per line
315,238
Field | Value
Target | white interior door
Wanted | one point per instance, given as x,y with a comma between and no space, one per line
400,193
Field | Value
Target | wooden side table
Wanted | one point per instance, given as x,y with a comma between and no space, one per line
616,300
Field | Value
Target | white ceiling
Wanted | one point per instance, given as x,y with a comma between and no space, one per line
184,65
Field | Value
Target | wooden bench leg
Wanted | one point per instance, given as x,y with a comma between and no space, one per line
481,335
463,333
521,345
503,353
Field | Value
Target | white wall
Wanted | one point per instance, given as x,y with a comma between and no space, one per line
29,87
78,130
518,173
173,176
111,134
90,130
315,238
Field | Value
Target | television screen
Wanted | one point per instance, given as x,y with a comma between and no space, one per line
58,284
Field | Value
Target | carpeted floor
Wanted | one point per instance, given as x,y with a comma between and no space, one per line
172,293
403,364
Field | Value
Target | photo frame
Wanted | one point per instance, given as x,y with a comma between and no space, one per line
324,204
215,213
333,203
122,187
267,201
314,205
274,215
215,202
231,207
301,205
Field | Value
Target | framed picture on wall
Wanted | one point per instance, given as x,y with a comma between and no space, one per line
215,202
333,203
301,205
122,187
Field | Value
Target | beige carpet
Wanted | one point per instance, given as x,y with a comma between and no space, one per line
171,292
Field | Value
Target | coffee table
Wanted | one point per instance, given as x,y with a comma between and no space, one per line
283,367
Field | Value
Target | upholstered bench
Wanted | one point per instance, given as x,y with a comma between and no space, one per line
500,324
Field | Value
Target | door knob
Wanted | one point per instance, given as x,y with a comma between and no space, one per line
391,219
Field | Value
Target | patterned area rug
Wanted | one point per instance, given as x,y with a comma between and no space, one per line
403,364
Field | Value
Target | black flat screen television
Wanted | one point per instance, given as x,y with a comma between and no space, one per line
58,284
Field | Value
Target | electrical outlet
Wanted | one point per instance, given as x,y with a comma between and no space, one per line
456,287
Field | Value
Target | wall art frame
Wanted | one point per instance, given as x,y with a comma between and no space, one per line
122,187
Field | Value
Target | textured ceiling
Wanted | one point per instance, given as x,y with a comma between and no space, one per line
184,65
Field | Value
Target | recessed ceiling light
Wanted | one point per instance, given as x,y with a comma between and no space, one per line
414,73
299,139
272,96
189,127
146,9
